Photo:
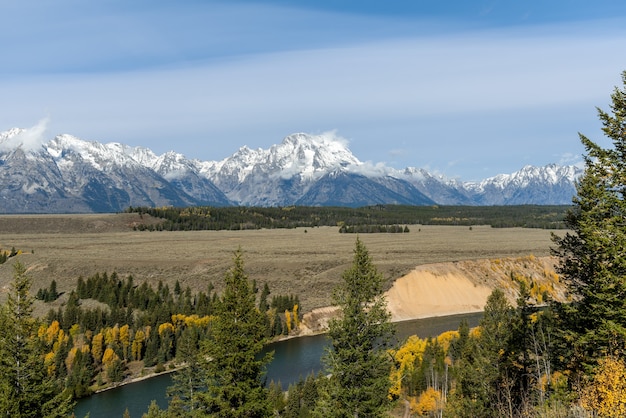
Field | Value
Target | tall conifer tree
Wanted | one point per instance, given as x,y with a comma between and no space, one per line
357,359
233,364
593,255
480,366
25,390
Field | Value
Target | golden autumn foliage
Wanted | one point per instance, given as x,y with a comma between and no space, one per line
166,326
410,354
605,394
556,381
180,321
125,335
404,362
428,402
296,320
137,346
97,347
112,335
49,363
69,360
288,320
446,338
49,333
109,357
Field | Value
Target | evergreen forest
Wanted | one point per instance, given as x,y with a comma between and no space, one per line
378,218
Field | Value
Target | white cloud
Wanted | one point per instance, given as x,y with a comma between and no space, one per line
30,139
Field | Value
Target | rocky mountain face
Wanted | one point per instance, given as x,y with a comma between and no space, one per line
70,175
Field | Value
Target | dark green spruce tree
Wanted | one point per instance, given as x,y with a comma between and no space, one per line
25,389
481,367
357,360
593,255
234,365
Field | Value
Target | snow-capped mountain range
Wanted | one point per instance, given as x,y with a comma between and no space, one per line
70,175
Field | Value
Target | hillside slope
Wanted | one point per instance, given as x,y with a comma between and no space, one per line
458,287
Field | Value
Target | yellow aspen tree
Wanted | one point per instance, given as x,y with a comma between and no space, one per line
52,332
49,363
427,403
296,320
179,321
288,320
109,357
445,338
137,347
61,339
112,335
97,347
125,339
69,360
164,327
204,321
405,359
605,394
191,320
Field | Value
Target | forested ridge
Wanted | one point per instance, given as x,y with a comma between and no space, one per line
391,216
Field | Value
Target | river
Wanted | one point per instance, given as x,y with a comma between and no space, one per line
293,358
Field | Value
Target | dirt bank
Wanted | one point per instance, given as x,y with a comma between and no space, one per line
459,287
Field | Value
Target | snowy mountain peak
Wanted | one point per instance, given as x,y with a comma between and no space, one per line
308,155
551,174
26,139
10,133
68,174
299,156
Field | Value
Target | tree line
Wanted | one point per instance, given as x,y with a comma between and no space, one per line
135,327
368,218
368,229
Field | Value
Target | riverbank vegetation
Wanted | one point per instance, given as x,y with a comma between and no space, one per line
111,330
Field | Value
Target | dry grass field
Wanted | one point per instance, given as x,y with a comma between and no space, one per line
305,262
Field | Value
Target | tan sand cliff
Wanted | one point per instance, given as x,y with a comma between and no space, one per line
458,287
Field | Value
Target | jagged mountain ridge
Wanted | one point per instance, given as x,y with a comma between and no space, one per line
68,174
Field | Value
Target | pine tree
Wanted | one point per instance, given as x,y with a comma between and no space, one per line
263,305
235,386
187,381
357,359
53,293
25,388
593,255
481,363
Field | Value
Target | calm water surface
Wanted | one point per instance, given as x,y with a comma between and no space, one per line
293,359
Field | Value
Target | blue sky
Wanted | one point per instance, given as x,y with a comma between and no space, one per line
468,89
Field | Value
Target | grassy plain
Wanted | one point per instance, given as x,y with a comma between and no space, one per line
305,262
